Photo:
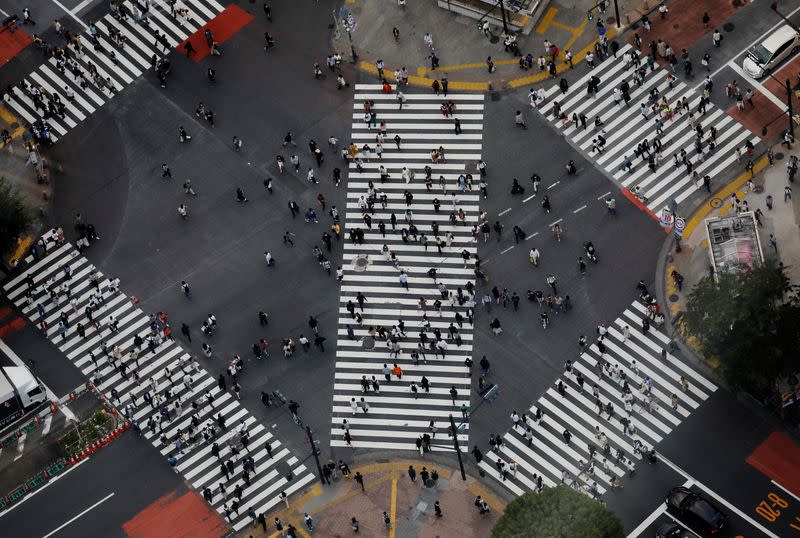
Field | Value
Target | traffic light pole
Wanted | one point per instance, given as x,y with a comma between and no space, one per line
789,102
458,449
315,452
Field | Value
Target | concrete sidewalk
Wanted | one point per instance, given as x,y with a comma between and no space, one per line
462,49
783,220
387,487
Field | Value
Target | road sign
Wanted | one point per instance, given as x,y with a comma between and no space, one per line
666,218
680,225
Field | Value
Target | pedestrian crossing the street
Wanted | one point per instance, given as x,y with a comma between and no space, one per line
599,448
114,72
625,127
63,286
433,229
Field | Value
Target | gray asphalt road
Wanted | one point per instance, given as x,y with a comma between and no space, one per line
128,473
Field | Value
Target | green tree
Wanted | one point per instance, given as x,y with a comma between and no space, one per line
557,512
15,216
748,318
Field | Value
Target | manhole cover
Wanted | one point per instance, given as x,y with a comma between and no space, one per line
14,125
673,298
758,189
368,342
728,26
361,262
676,26
779,156
715,202
611,21
495,96
494,39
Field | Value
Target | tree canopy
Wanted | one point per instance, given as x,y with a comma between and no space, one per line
558,512
748,317
15,216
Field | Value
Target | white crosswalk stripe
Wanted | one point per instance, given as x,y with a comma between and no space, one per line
131,62
166,371
397,417
634,360
624,128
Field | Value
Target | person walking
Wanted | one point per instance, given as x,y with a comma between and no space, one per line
519,120
359,478
412,473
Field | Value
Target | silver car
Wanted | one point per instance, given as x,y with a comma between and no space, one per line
765,56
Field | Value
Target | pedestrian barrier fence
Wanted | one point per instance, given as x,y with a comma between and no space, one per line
32,484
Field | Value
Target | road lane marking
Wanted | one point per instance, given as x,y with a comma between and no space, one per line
95,505
581,208
648,521
604,195
760,87
661,509
796,498
556,222
24,499
506,250
759,39
504,211
717,497
529,197
534,234
553,185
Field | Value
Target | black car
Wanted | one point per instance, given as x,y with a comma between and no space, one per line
695,511
671,529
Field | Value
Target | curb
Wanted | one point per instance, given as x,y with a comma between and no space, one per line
665,258
425,82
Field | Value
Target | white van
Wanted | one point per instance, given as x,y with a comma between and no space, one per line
769,53
19,392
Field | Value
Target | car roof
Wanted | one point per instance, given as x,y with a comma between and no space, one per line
779,37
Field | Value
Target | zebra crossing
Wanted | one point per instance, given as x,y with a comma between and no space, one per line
44,292
132,60
605,444
397,417
625,127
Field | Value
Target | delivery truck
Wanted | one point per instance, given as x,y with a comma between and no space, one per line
20,392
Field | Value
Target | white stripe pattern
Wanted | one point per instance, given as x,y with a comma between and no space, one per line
625,127
639,356
195,462
131,62
396,418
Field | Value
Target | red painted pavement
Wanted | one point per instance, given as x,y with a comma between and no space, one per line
187,516
638,203
12,44
13,325
223,27
683,26
779,458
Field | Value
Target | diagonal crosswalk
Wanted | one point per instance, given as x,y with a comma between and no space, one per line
391,318
45,293
596,379
624,128
55,78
